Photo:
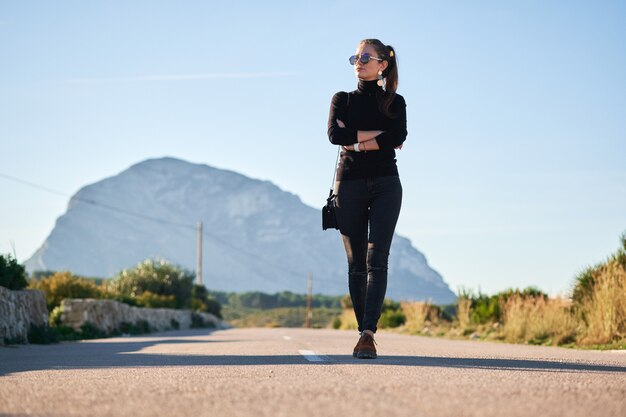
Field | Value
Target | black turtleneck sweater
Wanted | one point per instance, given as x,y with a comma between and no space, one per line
361,112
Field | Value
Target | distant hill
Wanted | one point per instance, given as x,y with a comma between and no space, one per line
257,236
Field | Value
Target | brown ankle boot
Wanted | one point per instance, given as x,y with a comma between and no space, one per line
366,348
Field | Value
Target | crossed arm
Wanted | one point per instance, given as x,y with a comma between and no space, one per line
369,140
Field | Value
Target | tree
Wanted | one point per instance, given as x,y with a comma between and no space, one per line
156,276
12,274
61,285
201,300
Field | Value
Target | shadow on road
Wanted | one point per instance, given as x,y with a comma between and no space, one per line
486,363
122,353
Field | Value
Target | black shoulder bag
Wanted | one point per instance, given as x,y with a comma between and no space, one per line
329,218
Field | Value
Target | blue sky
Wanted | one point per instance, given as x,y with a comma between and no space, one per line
513,170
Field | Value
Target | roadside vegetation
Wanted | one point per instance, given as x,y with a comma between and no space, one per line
12,274
152,283
282,309
594,316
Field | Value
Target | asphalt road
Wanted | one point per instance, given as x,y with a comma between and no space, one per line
300,372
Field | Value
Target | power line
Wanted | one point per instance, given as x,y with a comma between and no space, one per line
95,203
32,184
261,259
130,213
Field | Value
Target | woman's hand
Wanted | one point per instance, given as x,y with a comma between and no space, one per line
349,147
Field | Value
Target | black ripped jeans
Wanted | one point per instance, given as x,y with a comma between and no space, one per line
362,204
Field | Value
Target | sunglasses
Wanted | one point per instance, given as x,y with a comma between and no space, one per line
363,58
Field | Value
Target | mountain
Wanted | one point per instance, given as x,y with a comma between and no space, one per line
256,237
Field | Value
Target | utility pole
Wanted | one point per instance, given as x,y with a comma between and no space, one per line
199,273
309,290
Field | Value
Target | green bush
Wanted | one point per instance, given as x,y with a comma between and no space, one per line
110,294
90,331
67,332
63,285
157,277
12,274
390,305
488,309
214,307
391,318
485,309
201,300
152,300
54,318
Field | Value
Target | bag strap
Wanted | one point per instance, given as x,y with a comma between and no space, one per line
332,186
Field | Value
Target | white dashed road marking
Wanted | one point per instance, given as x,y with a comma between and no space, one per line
311,356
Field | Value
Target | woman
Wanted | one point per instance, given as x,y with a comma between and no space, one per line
369,123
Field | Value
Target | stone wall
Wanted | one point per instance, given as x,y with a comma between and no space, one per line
108,315
18,309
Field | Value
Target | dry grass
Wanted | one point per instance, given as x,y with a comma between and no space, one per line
604,312
416,315
596,318
538,320
348,320
464,307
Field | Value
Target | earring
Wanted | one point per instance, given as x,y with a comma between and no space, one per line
380,78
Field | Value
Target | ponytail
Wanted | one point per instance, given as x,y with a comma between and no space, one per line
391,82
